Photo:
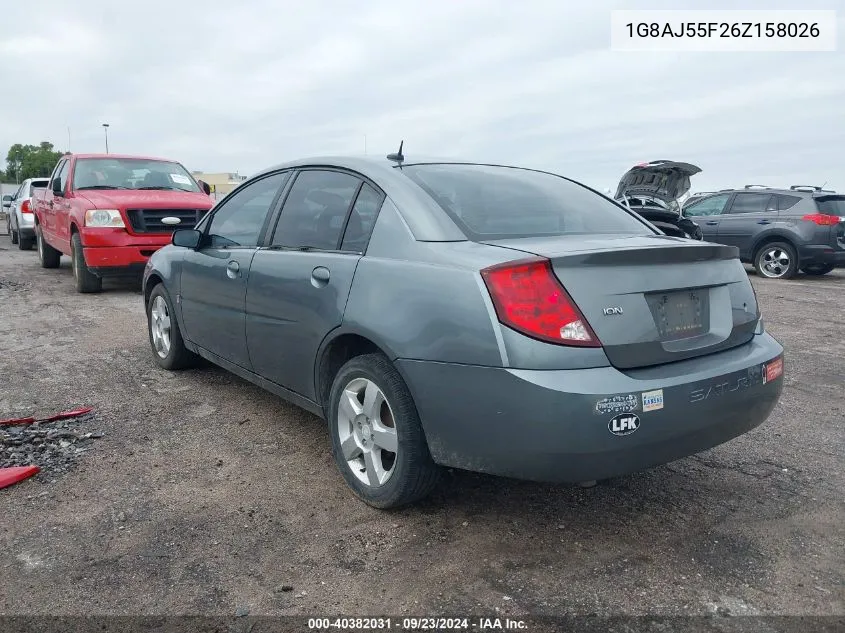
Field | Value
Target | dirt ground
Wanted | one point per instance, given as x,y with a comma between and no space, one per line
208,495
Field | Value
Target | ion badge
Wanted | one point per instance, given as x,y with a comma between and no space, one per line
773,370
653,400
618,404
624,424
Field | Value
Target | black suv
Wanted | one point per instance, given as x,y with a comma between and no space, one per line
779,231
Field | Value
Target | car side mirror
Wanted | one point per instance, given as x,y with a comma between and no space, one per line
57,187
205,187
7,202
188,238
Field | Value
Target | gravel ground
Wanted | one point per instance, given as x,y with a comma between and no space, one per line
207,495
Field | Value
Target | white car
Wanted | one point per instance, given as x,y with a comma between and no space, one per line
20,218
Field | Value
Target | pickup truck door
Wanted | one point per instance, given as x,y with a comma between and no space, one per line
62,206
214,276
47,207
706,213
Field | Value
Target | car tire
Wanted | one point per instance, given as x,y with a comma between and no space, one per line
776,260
408,474
47,255
24,243
13,235
817,269
169,351
85,280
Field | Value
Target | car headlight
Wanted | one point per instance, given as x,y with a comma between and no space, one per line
104,217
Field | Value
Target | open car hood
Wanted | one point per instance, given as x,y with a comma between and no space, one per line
664,180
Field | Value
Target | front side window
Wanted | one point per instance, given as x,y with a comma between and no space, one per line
707,206
490,202
58,174
63,176
239,220
315,210
132,173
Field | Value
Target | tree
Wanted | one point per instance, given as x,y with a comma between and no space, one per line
31,161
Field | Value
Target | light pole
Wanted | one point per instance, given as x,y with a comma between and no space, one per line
106,130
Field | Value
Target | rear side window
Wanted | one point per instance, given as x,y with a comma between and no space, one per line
359,226
707,206
38,184
786,202
834,205
750,202
315,210
489,202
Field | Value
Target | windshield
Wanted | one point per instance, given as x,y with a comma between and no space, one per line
131,173
489,202
832,206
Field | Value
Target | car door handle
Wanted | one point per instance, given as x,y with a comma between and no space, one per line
764,222
233,269
320,275
711,223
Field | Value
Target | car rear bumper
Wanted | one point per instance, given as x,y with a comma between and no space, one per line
547,426
821,254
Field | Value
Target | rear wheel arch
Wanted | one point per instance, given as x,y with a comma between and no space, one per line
334,353
769,238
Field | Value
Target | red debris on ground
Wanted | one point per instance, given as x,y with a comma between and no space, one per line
14,474
64,415
12,421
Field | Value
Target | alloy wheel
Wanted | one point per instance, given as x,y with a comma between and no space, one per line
160,326
774,262
367,432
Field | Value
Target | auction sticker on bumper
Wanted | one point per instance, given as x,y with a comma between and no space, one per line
652,400
624,423
773,370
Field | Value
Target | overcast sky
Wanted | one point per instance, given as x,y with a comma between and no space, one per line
237,86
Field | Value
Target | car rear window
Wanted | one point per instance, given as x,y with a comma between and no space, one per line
833,205
489,202
38,184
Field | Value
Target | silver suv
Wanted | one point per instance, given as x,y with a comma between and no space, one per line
779,231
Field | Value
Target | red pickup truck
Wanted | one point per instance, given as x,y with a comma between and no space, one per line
110,212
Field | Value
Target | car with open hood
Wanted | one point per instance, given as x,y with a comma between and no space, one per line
654,191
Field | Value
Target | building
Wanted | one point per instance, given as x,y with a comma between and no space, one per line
220,183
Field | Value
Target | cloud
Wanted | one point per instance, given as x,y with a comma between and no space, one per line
239,86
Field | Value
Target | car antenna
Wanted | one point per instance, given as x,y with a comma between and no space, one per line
398,157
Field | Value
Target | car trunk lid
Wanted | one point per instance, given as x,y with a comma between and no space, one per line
665,180
651,299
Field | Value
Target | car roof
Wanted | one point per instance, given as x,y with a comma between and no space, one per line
425,218
125,157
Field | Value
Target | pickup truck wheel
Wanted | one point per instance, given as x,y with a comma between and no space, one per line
377,439
86,281
169,349
47,255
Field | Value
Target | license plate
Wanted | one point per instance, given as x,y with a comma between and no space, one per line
680,314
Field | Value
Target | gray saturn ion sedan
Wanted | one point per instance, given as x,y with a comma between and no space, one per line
490,318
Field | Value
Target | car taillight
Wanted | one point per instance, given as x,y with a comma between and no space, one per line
529,298
822,219
25,208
